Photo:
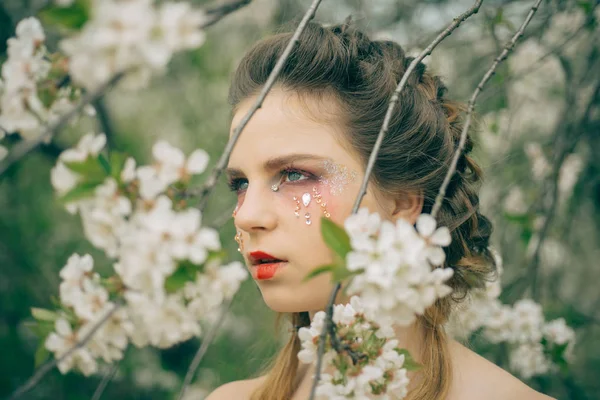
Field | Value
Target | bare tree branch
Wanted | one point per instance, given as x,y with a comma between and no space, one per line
211,181
396,96
105,121
44,369
218,12
323,339
105,380
206,341
23,148
463,136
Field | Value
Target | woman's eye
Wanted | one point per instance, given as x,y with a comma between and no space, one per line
238,185
294,176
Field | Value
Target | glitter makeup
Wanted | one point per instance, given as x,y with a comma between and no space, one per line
337,177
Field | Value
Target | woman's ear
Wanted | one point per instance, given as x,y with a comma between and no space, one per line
408,206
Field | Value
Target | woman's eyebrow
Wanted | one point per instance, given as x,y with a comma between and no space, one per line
278,162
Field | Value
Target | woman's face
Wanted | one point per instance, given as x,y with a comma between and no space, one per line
282,145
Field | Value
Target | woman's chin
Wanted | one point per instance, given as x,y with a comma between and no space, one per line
285,303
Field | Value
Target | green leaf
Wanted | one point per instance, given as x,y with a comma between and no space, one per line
341,273
117,162
41,354
91,169
72,17
335,237
586,6
41,329
318,271
409,362
79,192
42,314
104,163
185,273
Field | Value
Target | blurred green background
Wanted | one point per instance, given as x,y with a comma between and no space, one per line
538,144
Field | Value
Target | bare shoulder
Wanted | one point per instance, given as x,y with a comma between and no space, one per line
474,377
241,390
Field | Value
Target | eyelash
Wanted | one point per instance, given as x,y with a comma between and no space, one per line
234,184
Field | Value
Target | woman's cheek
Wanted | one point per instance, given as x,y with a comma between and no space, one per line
308,201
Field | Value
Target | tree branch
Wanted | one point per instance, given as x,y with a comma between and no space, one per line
396,96
463,136
23,148
211,181
44,369
105,380
104,120
323,339
218,12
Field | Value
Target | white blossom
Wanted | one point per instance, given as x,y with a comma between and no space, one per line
212,286
528,360
161,324
77,270
398,280
21,110
385,369
527,321
63,340
514,202
568,174
135,36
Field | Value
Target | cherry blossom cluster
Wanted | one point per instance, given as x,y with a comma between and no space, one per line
399,268
138,36
537,347
85,300
397,272
168,271
31,89
381,370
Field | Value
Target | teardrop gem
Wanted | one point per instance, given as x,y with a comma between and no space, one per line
306,199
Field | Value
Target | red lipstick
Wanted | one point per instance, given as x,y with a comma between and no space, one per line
264,265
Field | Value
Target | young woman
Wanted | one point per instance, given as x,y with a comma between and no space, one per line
303,155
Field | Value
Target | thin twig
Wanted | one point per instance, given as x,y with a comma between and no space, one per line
105,121
463,136
22,149
105,380
211,181
206,341
396,96
218,12
44,369
323,338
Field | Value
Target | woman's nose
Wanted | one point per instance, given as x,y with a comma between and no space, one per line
256,213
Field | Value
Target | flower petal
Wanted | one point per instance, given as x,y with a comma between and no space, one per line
426,225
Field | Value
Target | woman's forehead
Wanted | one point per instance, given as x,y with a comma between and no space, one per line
281,127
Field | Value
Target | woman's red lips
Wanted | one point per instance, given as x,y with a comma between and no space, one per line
261,257
266,264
